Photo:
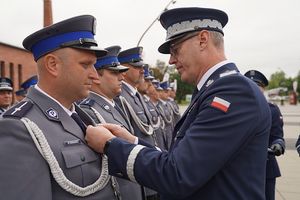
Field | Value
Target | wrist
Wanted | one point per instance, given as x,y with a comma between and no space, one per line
107,144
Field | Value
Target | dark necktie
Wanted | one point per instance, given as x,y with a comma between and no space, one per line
80,123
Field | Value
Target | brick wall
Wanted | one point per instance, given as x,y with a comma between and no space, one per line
16,63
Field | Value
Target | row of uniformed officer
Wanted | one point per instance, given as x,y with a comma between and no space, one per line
100,105
157,122
42,144
132,102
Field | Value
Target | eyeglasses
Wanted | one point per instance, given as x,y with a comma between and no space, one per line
174,48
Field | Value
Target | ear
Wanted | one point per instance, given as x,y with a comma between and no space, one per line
203,37
51,64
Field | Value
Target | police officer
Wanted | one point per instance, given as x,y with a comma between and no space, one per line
220,142
156,119
6,87
102,108
42,147
21,93
131,101
153,93
166,112
171,101
140,117
276,141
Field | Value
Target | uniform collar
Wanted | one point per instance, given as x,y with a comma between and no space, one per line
112,103
132,89
210,72
69,112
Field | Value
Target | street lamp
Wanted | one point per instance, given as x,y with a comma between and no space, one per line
157,18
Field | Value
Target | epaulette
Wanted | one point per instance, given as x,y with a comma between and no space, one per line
88,102
227,73
19,110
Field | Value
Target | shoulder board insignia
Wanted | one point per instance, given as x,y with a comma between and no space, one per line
228,73
19,110
88,102
209,82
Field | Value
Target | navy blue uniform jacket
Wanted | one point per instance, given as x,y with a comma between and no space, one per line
276,137
217,153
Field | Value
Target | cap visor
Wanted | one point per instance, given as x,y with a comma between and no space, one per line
149,77
6,88
137,64
99,52
118,68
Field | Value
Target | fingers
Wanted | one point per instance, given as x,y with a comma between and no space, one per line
111,127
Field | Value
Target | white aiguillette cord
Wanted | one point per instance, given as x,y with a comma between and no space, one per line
141,125
43,147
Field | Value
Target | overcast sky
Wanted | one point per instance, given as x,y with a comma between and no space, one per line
260,34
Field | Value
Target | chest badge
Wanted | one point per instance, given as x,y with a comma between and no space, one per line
52,113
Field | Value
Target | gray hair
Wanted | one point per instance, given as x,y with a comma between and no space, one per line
217,39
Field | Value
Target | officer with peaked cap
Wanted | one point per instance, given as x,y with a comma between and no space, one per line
21,93
220,142
6,87
156,120
102,108
166,112
153,94
42,145
131,101
171,100
140,117
276,141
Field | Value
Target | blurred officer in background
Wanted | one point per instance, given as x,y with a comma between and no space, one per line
132,102
21,93
171,100
156,120
6,88
276,141
153,93
220,142
42,145
102,108
166,112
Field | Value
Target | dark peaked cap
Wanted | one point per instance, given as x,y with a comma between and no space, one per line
180,21
257,77
110,61
29,82
6,84
77,32
132,56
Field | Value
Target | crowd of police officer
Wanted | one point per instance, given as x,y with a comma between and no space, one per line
127,94
119,89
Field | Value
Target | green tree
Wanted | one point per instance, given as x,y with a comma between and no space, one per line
182,88
277,79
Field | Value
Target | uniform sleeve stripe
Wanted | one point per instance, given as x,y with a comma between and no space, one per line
131,160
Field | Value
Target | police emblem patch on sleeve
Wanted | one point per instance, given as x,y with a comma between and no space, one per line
220,104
